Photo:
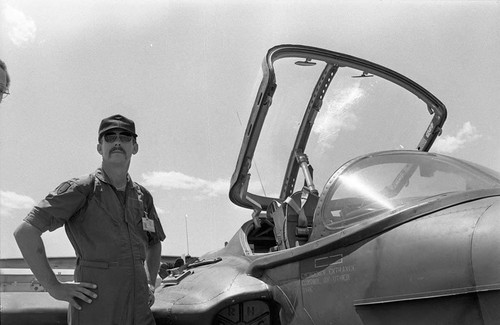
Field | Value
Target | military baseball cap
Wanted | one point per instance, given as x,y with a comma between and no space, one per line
117,122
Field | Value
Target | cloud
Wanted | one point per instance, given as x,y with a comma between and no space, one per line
10,201
21,29
449,144
339,115
179,181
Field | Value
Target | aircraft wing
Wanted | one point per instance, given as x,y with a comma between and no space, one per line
24,300
32,308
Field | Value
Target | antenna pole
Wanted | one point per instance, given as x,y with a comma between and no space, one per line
187,237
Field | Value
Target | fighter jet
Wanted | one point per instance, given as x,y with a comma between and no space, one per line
382,237
349,230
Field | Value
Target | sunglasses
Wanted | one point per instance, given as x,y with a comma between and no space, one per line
124,137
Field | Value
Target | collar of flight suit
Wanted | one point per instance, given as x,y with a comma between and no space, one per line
103,177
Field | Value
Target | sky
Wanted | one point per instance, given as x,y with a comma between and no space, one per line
185,72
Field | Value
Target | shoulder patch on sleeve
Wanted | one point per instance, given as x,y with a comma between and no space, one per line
63,188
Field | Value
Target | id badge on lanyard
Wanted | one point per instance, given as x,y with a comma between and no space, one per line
148,224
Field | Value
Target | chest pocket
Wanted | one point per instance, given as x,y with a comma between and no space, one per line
136,212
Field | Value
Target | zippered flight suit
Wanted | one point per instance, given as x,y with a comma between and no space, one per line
110,243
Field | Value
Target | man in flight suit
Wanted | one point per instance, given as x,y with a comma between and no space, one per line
114,228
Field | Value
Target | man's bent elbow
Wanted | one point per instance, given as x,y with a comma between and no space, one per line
26,231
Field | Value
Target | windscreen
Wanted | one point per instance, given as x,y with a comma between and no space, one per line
392,180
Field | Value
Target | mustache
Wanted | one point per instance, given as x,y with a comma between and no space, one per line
116,149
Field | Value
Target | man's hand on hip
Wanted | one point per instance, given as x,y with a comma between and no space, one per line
69,291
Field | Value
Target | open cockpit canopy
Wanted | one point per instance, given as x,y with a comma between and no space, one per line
324,108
